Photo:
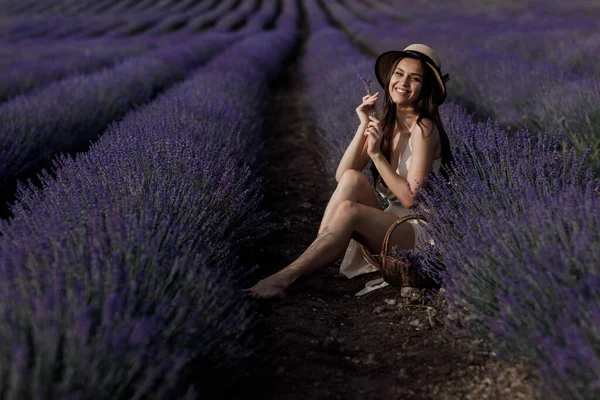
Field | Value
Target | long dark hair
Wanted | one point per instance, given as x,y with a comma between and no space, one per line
426,107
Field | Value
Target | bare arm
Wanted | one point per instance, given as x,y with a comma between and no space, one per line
356,156
423,148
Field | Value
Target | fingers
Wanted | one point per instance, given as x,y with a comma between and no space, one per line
370,99
372,130
374,123
368,103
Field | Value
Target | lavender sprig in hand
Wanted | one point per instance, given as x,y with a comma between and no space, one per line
367,86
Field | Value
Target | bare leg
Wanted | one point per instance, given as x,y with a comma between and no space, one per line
365,223
353,186
324,250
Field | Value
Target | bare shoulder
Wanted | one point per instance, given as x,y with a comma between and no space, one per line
425,135
425,129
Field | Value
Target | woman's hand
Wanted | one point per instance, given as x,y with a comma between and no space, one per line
367,106
374,135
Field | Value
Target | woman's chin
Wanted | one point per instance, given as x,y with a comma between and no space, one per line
402,102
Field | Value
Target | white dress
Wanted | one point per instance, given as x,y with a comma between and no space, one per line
354,262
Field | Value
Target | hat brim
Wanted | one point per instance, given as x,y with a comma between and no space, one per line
385,62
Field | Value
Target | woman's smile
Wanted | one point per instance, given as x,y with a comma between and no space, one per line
406,81
401,96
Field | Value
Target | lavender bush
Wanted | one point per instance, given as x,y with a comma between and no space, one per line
133,27
22,77
149,221
553,278
364,12
113,22
158,20
571,44
210,17
500,167
53,26
488,212
66,115
163,7
236,17
316,18
528,284
527,11
175,21
579,116
149,5
264,18
39,50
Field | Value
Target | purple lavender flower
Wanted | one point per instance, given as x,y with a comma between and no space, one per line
128,257
66,115
366,85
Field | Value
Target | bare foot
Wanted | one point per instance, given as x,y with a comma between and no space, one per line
274,286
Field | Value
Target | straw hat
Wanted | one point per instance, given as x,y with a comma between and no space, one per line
385,62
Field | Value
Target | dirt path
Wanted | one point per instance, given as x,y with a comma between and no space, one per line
322,342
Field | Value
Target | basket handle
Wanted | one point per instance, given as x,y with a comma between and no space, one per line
400,220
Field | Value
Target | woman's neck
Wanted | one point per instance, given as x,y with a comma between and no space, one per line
405,120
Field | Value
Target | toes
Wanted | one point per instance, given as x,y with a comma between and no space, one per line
264,294
249,293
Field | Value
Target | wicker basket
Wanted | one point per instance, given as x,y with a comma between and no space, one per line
395,272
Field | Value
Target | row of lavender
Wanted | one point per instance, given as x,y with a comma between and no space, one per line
35,7
517,228
518,86
526,12
117,277
24,67
224,15
20,75
64,116
30,64
220,16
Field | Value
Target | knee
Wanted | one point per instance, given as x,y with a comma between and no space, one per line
352,177
347,209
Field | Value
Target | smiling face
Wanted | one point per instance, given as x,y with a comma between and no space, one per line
406,82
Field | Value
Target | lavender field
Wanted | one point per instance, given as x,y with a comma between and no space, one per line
133,173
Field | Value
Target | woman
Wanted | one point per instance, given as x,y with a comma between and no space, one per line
406,145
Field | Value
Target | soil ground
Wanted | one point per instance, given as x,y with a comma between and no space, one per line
322,342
